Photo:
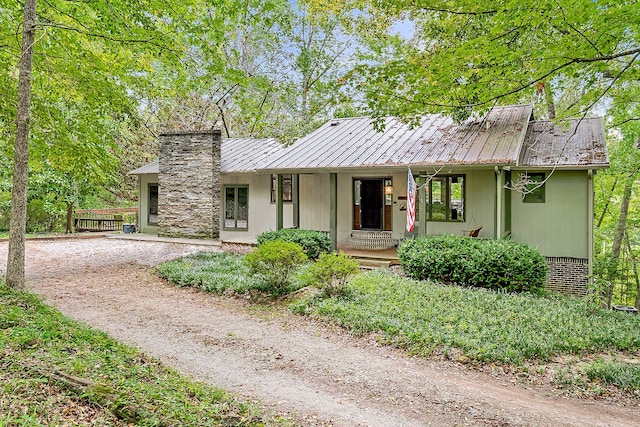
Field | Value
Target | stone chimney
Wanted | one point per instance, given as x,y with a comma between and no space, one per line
189,184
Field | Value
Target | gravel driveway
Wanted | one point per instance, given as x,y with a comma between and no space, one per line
316,373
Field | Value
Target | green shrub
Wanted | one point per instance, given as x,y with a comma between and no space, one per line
331,272
275,261
494,264
313,242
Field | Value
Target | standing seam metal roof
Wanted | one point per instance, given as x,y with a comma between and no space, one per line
354,142
238,155
576,142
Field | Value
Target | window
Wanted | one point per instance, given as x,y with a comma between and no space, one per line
236,207
534,183
152,218
286,188
445,198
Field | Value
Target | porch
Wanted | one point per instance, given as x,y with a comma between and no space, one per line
371,258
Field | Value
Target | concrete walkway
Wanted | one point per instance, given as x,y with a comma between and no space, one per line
155,238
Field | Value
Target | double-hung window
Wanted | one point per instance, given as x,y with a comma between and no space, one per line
236,207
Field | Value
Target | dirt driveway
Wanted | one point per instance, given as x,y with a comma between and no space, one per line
316,373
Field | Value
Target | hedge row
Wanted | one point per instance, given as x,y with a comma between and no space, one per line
493,264
313,242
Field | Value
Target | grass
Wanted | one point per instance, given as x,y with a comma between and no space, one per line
39,345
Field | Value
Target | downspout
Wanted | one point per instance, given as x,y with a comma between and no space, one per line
279,204
498,233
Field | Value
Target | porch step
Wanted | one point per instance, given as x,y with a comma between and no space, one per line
370,240
373,264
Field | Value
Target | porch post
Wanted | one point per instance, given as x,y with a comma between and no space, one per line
279,207
499,203
295,196
422,201
333,209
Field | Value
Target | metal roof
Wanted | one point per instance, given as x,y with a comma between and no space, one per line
238,155
146,169
495,139
573,143
247,154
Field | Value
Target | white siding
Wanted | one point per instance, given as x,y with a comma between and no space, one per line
143,203
262,213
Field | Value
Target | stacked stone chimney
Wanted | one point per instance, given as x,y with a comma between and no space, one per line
189,184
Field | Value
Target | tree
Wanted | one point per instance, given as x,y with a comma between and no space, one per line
279,78
466,56
15,262
91,59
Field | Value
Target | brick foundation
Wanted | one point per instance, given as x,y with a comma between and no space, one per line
189,185
568,275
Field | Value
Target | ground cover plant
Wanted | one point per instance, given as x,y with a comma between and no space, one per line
223,272
486,326
493,264
54,371
214,272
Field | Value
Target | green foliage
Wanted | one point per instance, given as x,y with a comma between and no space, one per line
623,375
313,242
275,261
494,264
488,326
36,339
331,272
213,272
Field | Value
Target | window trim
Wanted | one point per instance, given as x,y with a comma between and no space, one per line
447,202
149,203
274,187
235,209
539,195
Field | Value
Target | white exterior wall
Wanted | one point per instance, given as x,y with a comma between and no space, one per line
143,203
262,213
314,201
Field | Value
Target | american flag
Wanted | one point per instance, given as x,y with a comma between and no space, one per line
411,202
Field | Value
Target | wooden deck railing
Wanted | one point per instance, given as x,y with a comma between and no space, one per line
102,219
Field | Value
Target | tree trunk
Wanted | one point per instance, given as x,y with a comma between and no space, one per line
619,236
70,217
17,225
636,275
606,205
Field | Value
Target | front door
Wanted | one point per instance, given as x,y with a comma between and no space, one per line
369,204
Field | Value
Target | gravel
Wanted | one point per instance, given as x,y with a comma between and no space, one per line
303,368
